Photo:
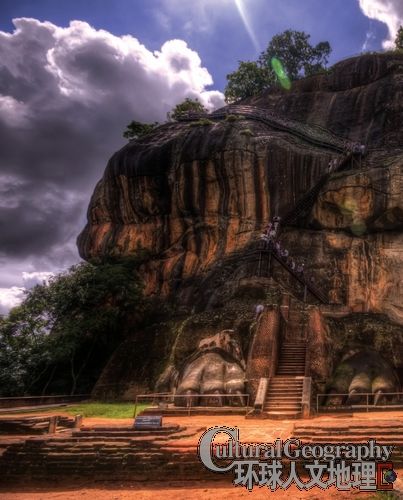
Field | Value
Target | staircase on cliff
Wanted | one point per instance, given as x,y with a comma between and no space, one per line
284,395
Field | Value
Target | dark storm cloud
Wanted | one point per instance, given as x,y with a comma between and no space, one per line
66,95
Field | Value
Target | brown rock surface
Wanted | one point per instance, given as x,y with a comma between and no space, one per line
192,194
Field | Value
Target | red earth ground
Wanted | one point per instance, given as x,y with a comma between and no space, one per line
250,431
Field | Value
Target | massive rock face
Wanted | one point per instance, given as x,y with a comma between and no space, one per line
192,194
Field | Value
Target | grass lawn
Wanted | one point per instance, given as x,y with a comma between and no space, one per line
105,410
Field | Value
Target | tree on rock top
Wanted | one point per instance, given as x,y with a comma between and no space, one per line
187,106
297,55
399,39
251,78
135,130
294,53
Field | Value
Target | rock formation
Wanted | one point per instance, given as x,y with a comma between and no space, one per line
196,195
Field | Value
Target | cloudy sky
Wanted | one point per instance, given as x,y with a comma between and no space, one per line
74,73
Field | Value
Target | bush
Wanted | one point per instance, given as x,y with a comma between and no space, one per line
204,122
247,132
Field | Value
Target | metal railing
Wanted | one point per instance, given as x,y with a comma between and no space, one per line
368,405
309,132
163,399
17,401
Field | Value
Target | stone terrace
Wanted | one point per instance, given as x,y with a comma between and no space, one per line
112,450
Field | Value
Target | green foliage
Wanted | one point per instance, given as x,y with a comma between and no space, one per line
384,495
187,106
296,55
105,410
135,130
246,131
234,118
204,122
249,79
399,39
60,325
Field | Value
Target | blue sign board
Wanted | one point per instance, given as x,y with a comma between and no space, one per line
148,422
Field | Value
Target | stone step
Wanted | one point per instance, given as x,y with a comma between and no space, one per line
281,403
297,343
290,364
379,429
293,348
292,352
347,438
286,380
283,399
297,379
287,401
285,388
125,433
301,354
291,377
294,395
281,369
290,372
289,391
283,414
365,436
283,406
120,435
301,350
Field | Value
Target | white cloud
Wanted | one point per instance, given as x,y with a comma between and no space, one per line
10,297
14,295
36,278
201,16
389,12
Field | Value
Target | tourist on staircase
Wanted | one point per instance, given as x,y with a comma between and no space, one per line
258,311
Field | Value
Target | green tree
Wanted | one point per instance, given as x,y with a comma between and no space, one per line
137,129
187,106
59,326
288,56
249,79
399,39
297,55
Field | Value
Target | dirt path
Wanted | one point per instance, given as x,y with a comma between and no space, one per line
250,431
177,491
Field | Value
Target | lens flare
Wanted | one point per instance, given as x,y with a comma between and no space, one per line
246,22
281,74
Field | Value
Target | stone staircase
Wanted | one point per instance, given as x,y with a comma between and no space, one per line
384,431
107,453
284,395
